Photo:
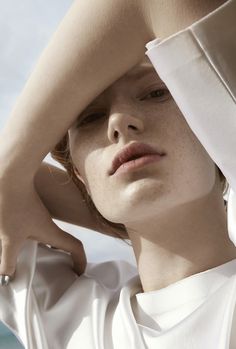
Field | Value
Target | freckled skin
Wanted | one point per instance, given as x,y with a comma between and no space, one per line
173,209
156,122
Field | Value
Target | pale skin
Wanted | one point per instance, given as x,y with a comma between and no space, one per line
60,87
173,210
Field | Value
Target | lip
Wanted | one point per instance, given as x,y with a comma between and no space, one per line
137,163
123,161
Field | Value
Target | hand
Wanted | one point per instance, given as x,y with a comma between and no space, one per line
23,216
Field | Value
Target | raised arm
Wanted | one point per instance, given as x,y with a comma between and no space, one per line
61,196
82,58
64,200
95,44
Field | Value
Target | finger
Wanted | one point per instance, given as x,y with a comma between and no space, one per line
10,251
62,240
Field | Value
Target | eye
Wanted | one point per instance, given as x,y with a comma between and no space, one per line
161,94
91,118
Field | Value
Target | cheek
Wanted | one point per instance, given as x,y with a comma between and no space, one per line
94,173
105,196
191,171
101,194
193,166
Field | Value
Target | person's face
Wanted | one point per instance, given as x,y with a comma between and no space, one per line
138,107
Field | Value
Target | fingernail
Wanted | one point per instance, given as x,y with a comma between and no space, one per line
50,246
4,280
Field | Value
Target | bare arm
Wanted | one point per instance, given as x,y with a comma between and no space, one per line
61,196
85,49
63,199
95,44
170,16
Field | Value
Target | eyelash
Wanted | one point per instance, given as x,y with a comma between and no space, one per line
97,113
158,90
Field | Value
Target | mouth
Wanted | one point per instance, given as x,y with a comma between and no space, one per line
137,163
132,156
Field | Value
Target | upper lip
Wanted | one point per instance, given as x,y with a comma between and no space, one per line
129,151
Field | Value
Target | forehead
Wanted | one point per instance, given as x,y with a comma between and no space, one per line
140,70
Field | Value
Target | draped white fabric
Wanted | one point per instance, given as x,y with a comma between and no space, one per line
48,307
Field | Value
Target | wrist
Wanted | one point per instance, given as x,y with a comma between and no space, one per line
13,161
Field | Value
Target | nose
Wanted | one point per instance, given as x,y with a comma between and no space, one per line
123,125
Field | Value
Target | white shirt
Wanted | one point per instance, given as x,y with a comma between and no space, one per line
49,307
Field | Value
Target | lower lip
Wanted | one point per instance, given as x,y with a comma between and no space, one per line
133,164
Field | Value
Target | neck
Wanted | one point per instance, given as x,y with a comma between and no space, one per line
181,242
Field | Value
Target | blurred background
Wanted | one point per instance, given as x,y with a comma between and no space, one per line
25,29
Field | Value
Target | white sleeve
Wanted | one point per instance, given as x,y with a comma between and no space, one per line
198,65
